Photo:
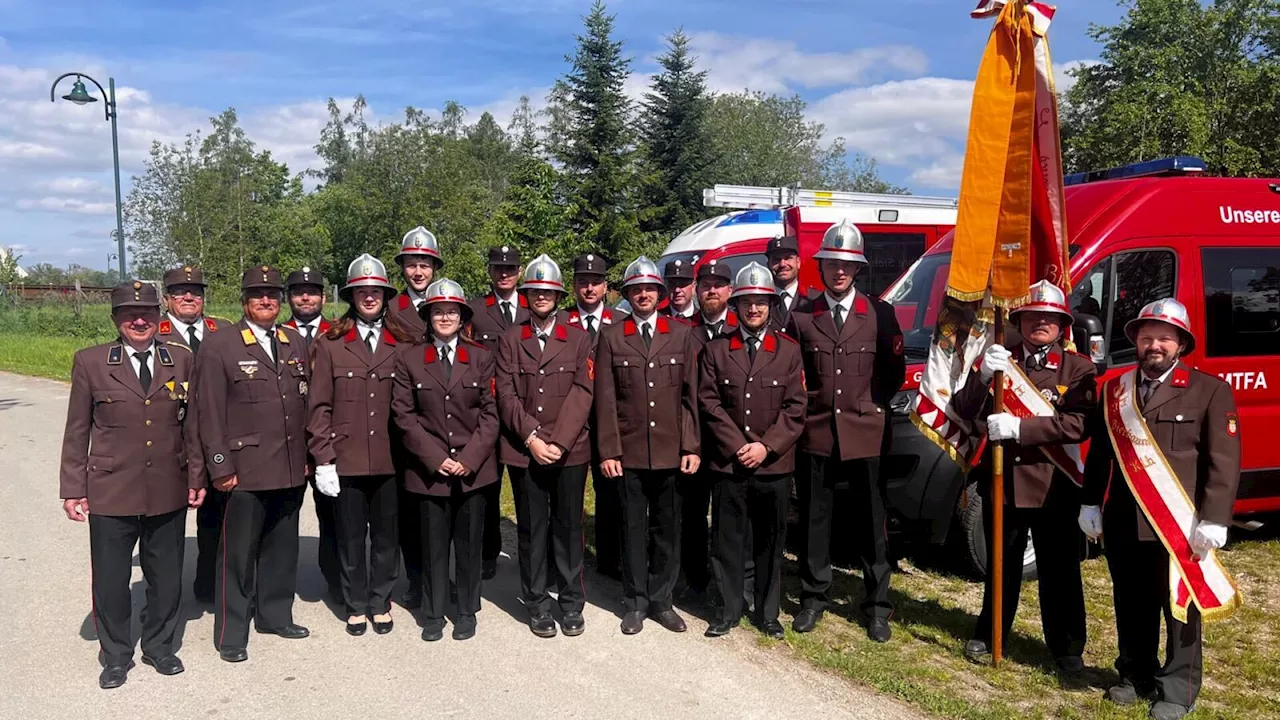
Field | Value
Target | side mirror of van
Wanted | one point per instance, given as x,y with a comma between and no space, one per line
1089,339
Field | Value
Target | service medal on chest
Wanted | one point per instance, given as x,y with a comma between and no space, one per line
302,387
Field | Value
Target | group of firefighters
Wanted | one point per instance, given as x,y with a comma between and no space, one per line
692,413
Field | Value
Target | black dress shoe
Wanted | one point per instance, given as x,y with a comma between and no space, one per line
878,630
167,665
1070,664
807,620
412,599
357,629
489,570
977,651
573,624
433,630
719,628
632,622
291,631
670,620
772,629
1126,693
465,628
542,625
233,655
113,676
1168,711
382,628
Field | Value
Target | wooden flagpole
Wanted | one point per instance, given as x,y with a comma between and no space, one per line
995,547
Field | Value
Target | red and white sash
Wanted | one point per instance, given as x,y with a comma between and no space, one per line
1164,502
1023,400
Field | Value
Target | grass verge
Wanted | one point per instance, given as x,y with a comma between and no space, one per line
48,357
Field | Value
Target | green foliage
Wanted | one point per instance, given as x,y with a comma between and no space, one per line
47,274
8,265
1181,77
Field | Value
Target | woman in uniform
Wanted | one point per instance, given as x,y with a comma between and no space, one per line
353,365
445,410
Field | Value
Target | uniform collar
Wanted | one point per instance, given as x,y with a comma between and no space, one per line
846,303
134,353
180,327
598,313
513,298
724,316
452,344
1142,377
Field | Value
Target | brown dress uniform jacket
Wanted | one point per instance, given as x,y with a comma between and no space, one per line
253,411
646,399
129,452
851,376
413,322
350,404
487,322
167,333
1192,416
744,402
1067,380
608,318
802,303
442,417
548,390
701,330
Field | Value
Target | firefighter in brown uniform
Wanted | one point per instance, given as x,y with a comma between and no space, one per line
304,290
186,323
714,319
751,393
1190,418
677,275
448,416
491,316
784,262
1041,498
349,430
646,418
853,365
131,464
419,260
544,400
252,404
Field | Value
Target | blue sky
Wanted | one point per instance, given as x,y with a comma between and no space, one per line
892,77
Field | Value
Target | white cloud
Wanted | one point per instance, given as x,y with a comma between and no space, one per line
734,63
1062,79
66,205
901,122
943,172
72,186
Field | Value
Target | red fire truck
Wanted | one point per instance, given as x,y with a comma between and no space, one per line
1137,233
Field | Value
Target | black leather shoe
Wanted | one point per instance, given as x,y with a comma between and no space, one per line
465,627
573,625
167,665
977,651
291,631
543,625
489,570
233,655
357,629
1168,711
433,630
1070,665
412,599
382,628
632,622
878,630
719,628
772,629
807,620
1126,693
670,620
113,676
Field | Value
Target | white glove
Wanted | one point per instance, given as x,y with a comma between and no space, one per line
327,480
1091,521
1208,536
994,360
1003,426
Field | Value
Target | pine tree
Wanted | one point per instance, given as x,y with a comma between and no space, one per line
677,149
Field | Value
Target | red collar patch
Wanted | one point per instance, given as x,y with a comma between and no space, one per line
524,301
731,320
210,325
352,335
663,326
562,334
735,342
387,337
628,327
526,332
770,343
1053,360
429,355
1181,376
859,304
325,325
404,301
166,327
606,316
490,300
575,318
462,355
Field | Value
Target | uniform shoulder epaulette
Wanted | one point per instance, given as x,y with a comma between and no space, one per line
170,343
786,337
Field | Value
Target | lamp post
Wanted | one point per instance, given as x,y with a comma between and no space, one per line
110,257
80,96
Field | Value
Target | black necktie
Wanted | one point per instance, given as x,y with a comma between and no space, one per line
646,334
1148,389
193,340
306,334
507,316
839,317
444,359
1036,361
275,347
368,341
144,370
714,329
786,300
752,343
591,325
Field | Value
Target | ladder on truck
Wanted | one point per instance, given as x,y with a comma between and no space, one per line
751,197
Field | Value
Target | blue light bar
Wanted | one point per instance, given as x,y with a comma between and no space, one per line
1180,165
753,217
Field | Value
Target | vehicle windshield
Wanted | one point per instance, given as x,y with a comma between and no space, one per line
916,298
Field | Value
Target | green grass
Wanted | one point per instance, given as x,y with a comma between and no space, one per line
48,357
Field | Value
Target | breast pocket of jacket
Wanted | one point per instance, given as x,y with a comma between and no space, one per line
673,369
252,388
347,386
862,357
1180,426
109,409
819,360
624,371
560,379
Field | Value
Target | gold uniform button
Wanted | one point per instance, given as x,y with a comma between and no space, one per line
371,413
148,443
148,463
148,402
446,397
837,371
148,422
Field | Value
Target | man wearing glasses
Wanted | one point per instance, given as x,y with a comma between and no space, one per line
186,324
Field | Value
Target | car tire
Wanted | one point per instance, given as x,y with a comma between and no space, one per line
970,540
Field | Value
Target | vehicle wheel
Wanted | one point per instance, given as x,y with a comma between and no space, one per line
972,539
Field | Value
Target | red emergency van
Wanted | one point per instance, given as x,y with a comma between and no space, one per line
1136,234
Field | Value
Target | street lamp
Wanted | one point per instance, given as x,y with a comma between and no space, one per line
110,257
80,96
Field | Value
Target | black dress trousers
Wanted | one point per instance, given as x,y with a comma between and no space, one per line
457,522
608,519
367,508
751,522
327,549
208,533
816,490
695,536
258,564
492,534
549,510
410,536
650,539
161,543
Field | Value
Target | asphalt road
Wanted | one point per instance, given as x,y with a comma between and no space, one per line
48,650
